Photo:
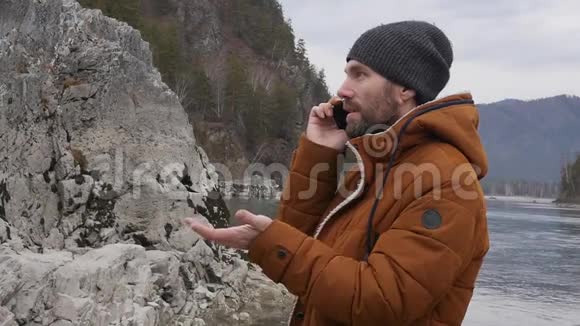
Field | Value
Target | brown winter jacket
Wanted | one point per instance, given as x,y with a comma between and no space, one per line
429,230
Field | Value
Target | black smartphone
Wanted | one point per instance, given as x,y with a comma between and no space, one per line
339,115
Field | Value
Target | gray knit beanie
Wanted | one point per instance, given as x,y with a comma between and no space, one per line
413,54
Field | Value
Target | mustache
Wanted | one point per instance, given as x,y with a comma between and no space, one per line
351,106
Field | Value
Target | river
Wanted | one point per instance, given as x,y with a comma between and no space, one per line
531,275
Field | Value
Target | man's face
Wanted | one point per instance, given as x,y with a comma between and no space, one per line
369,99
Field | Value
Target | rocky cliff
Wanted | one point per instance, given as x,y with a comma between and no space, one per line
98,164
241,74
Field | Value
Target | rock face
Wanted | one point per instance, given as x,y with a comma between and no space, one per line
95,149
98,164
123,284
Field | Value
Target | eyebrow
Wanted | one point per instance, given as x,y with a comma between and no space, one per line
354,67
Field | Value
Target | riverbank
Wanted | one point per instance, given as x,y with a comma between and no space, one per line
522,199
534,200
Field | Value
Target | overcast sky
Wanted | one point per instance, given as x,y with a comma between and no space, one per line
521,49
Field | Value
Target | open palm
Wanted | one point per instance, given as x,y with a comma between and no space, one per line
238,237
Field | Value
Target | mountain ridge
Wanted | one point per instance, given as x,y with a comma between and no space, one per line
530,139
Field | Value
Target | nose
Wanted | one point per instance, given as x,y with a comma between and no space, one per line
345,91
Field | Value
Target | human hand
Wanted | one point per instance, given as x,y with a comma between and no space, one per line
239,237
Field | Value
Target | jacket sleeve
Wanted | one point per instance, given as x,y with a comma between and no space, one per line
310,185
410,269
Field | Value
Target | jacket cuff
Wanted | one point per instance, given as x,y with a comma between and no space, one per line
318,161
274,249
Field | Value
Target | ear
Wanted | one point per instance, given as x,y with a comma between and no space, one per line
407,94
402,94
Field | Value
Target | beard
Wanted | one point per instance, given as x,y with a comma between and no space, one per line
363,127
357,129
379,115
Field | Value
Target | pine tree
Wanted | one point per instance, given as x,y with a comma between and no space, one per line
300,52
237,91
281,117
164,40
570,184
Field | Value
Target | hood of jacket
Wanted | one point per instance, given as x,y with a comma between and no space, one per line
452,119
